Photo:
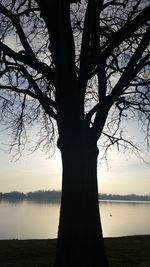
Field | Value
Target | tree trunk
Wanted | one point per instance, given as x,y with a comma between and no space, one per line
80,241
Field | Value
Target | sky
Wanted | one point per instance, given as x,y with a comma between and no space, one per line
126,174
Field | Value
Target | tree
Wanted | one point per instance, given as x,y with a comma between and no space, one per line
82,66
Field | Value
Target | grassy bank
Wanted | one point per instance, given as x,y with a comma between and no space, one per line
122,252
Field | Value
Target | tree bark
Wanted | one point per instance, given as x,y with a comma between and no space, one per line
80,241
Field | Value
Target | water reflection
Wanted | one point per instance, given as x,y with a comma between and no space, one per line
36,219
127,218
28,219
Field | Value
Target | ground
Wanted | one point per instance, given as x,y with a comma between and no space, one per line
131,251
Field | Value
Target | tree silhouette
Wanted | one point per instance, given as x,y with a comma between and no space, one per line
77,68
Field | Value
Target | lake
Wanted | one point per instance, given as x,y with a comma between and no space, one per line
39,220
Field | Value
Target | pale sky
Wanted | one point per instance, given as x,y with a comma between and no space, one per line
126,174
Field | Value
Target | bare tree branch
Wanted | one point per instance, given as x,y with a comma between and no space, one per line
126,31
25,59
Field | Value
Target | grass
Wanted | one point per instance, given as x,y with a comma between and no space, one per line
131,251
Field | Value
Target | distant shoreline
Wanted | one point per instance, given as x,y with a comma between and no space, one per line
58,201
125,201
56,196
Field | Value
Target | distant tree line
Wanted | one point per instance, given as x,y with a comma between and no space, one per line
12,195
129,197
37,195
53,195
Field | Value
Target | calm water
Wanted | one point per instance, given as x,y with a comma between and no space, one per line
29,220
